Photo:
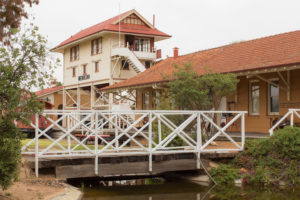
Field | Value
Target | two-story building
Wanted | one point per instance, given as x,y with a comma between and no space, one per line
106,53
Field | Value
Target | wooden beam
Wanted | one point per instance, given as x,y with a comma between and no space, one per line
270,82
270,70
92,96
284,81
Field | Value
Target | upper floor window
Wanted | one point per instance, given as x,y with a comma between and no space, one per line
142,44
73,72
97,66
84,69
74,53
96,46
273,97
254,98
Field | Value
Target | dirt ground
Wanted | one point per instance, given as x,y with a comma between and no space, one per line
31,188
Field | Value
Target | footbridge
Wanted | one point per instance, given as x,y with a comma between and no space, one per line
105,143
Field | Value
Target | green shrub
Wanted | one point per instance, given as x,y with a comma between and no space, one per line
225,174
267,161
286,142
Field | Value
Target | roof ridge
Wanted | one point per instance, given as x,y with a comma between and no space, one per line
102,22
241,42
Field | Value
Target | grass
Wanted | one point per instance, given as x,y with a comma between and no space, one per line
44,143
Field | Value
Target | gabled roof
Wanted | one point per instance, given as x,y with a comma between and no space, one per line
113,25
49,90
262,53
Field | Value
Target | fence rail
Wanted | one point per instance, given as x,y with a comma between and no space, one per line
291,113
134,132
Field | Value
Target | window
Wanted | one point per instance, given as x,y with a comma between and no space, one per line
84,69
96,66
73,72
125,65
254,98
147,64
142,44
156,99
273,97
74,53
145,101
96,46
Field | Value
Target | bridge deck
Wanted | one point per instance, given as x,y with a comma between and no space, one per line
122,165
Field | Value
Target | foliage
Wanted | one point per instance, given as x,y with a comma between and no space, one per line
11,14
194,92
58,83
224,174
269,161
175,119
24,66
10,154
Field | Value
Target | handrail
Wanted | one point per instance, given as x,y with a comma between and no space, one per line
130,47
291,113
154,126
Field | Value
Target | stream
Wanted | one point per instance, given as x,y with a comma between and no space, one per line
160,189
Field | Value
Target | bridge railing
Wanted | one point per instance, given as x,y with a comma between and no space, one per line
290,115
135,132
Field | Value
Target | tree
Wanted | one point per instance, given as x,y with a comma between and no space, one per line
11,13
24,65
194,92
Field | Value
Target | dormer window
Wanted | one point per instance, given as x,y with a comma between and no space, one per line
74,53
96,46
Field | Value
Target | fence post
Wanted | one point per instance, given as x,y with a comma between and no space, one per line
159,131
96,142
116,132
36,145
243,130
150,141
292,117
69,139
199,139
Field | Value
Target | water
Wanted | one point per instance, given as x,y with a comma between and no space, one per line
155,189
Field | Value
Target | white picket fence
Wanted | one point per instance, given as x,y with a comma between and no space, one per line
289,115
148,133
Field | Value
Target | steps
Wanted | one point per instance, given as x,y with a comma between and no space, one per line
132,60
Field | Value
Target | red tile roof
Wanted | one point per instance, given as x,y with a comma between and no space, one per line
109,26
48,90
267,52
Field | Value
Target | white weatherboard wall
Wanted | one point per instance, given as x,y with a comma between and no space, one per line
104,59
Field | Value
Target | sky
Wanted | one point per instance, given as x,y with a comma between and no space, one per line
194,24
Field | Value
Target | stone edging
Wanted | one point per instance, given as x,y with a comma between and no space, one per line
72,193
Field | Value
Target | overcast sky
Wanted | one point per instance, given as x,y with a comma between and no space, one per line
194,24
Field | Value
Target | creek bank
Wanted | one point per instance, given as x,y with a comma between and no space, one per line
274,161
46,187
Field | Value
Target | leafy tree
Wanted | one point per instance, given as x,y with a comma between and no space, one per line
24,65
11,13
194,92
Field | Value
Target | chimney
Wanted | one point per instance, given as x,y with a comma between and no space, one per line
153,20
53,82
175,52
